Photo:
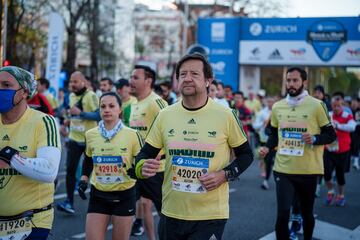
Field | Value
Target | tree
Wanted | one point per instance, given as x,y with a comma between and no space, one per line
100,34
75,11
92,22
261,8
25,36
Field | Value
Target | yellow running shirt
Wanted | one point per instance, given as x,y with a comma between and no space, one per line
52,100
112,158
254,105
78,126
143,114
293,155
128,102
195,142
19,193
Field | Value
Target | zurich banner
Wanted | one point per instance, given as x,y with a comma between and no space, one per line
300,41
221,37
54,50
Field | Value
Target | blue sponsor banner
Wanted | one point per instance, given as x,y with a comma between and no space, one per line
221,37
298,28
324,35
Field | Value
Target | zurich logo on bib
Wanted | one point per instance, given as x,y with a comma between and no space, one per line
326,37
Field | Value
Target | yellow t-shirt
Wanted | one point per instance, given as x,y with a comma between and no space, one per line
78,126
128,102
254,105
195,142
53,102
143,114
112,158
293,155
19,193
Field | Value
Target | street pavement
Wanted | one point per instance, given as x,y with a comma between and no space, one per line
252,212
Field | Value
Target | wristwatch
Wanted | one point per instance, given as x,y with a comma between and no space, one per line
229,175
313,139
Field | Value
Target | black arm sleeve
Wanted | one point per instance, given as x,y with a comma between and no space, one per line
273,139
244,158
147,151
87,166
327,135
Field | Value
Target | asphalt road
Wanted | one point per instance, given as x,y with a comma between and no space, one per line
252,212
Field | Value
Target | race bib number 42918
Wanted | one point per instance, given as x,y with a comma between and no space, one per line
108,169
186,172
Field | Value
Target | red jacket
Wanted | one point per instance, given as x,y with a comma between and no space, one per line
39,102
343,137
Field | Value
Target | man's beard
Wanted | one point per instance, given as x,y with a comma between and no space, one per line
297,92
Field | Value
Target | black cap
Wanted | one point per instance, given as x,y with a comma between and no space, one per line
121,83
319,88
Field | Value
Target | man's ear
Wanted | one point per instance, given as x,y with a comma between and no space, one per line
209,81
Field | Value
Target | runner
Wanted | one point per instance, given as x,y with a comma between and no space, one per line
83,114
123,89
143,113
197,135
337,153
110,151
29,160
261,126
300,126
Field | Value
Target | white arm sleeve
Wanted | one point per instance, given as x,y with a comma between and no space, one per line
348,127
44,167
259,121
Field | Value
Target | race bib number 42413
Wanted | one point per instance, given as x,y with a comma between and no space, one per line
290,142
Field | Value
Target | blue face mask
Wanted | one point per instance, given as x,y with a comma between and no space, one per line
7,99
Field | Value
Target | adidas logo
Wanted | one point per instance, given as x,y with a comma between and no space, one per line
275,55
213,237
191,121
6,138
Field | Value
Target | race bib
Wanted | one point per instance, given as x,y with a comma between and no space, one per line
109,169
18,229
186,172
291,142
77,125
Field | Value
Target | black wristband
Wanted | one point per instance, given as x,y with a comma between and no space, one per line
229,175
7,153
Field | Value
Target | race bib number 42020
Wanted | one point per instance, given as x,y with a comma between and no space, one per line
186,172
290,142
